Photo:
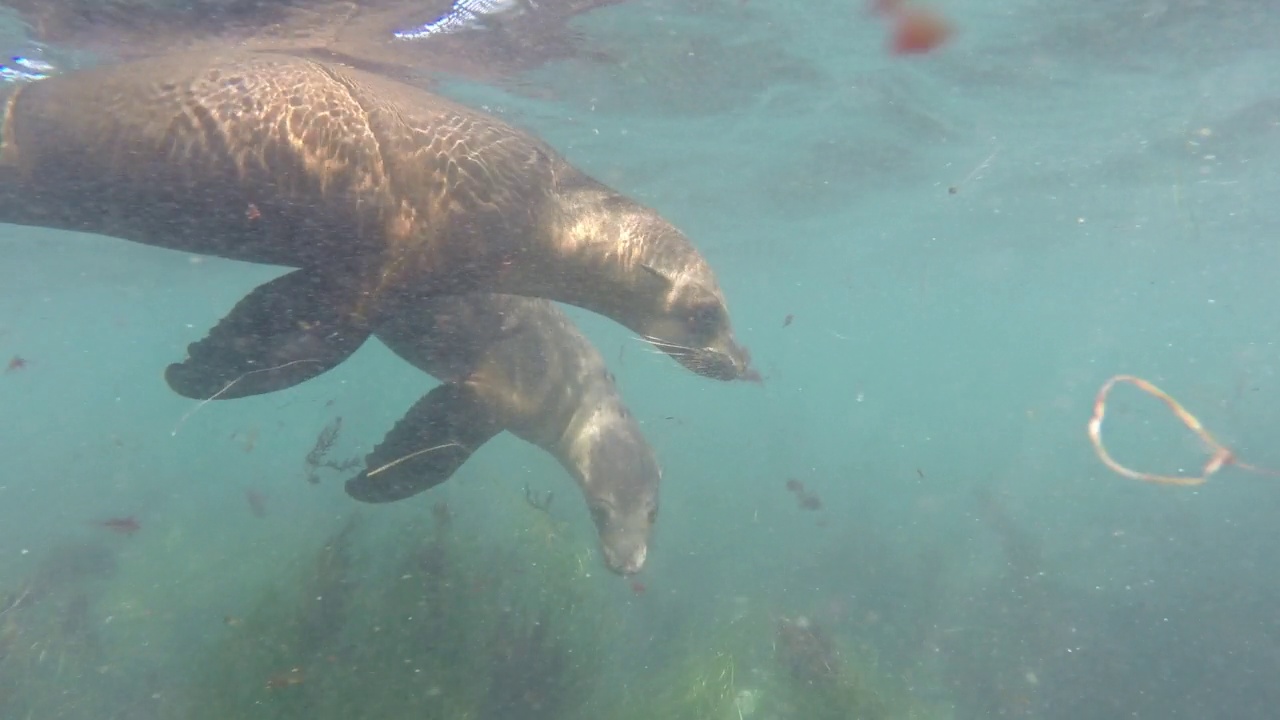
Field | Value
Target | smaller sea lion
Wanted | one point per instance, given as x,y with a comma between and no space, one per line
519,364
506,363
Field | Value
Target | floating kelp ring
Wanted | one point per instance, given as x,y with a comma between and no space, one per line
1220,455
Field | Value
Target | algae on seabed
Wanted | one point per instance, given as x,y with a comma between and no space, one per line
499,626
780,668
484,628
57,640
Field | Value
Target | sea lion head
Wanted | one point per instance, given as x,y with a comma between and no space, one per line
620,477
691,321
629,263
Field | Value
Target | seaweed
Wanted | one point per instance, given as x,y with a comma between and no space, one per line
822,684
454,625
51,654
701,684
455,628
439,620
753,665
317,457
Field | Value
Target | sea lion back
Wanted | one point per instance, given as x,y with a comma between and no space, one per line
264,157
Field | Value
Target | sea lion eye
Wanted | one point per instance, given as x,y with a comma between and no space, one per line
653,514
704,318
600,515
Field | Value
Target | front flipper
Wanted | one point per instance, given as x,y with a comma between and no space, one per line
426,446
283,333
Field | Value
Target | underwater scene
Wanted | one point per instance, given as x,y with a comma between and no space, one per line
639,359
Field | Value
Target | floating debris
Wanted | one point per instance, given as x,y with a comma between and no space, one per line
257,502
805,499
324,443
126,526
288,678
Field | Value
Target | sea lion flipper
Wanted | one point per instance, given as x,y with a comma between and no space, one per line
283,333
426,446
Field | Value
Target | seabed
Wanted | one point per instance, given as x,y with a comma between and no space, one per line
448,626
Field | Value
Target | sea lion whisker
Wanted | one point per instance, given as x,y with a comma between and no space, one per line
660,347
667,344
702,352
228,386
410,456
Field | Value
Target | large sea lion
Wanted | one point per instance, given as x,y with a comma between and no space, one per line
507,363
379,192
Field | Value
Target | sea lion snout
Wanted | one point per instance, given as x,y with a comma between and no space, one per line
694,327
623,540
620,482
624,518
718,364
626,564
732,363
703,342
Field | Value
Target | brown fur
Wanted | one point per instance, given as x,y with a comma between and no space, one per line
385,190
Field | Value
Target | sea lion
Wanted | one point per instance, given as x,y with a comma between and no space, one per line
379,192
518,364
506,363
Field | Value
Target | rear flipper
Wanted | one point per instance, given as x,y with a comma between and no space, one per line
426,446
283,333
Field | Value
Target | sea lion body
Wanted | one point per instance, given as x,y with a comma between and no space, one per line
521,365
381,193
505,363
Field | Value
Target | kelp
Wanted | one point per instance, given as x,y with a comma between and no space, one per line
440,620
53,658
755,664
459,628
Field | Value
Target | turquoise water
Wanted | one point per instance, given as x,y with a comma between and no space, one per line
1113,167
